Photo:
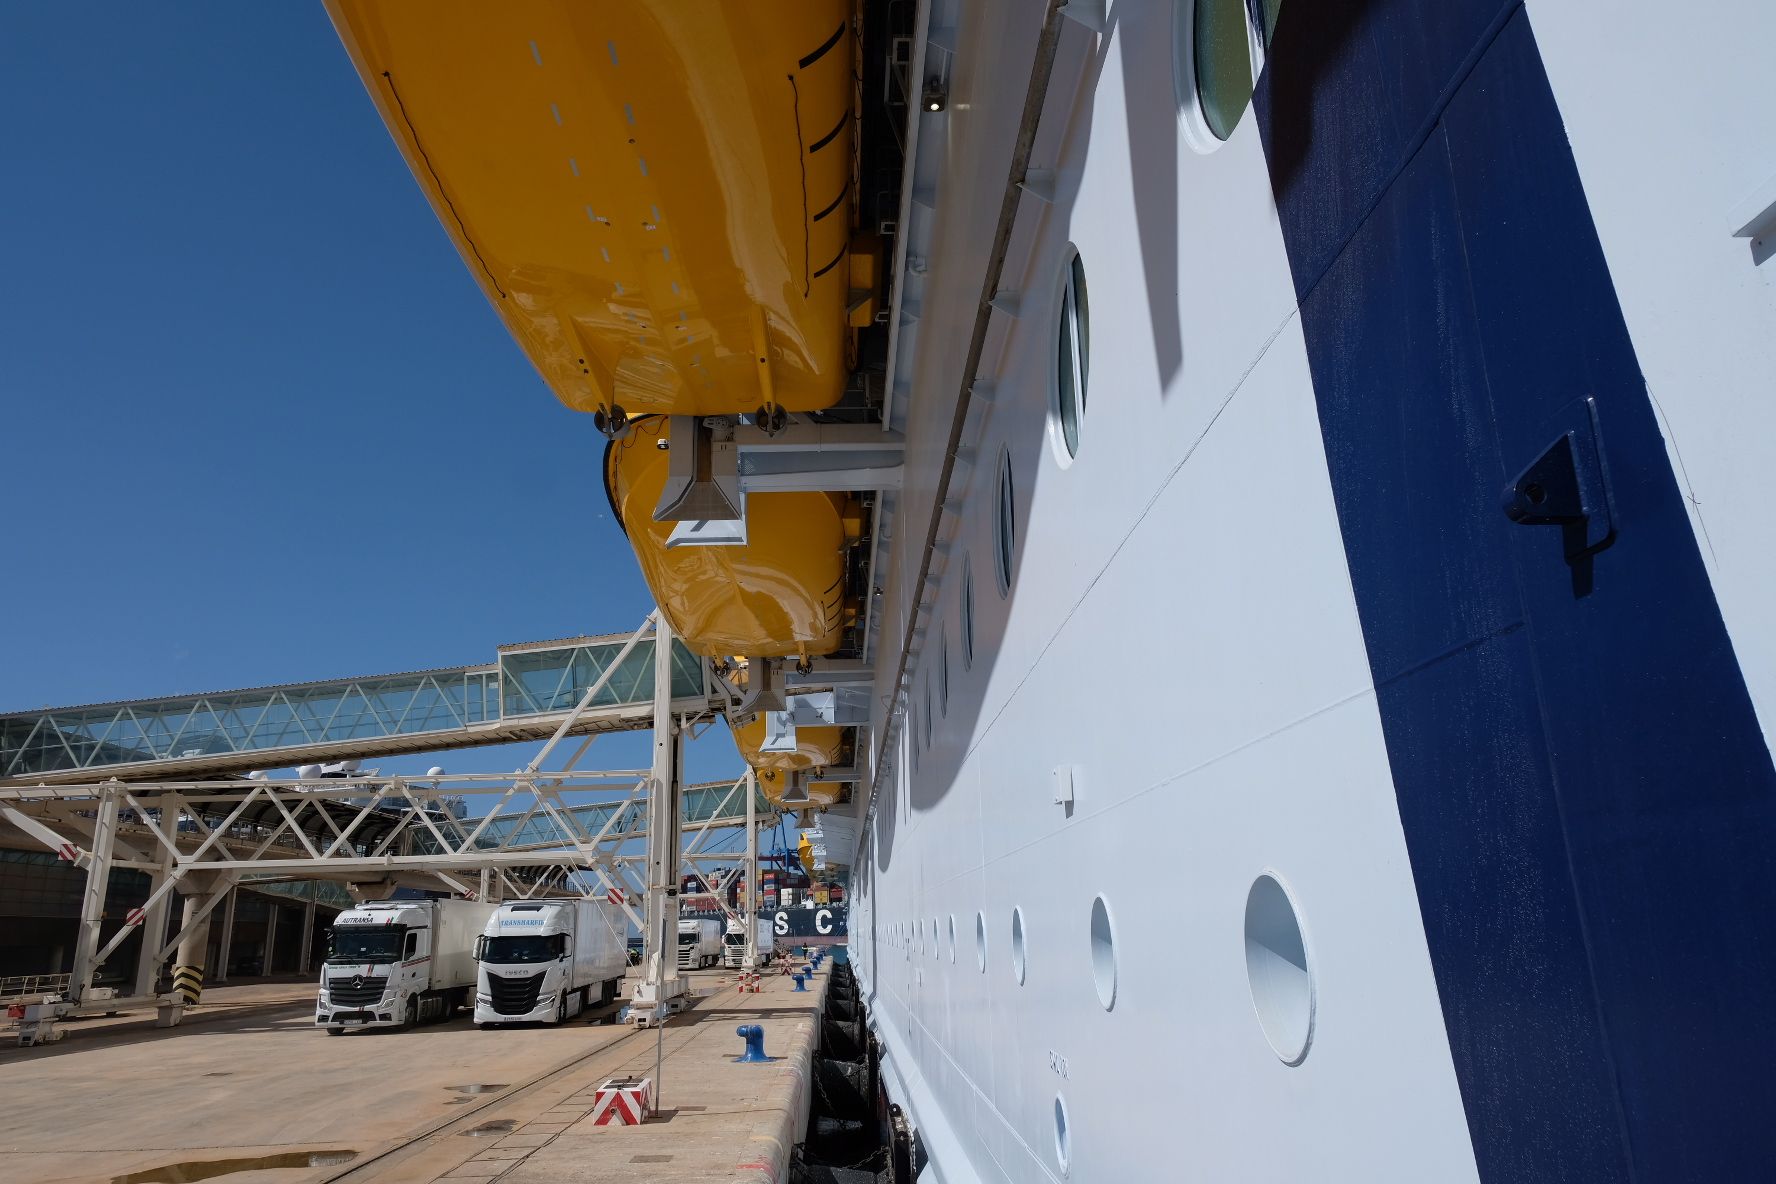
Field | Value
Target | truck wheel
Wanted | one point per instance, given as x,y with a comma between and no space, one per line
561,1009
410,1020
335,1031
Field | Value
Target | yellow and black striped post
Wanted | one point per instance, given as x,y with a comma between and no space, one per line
188,983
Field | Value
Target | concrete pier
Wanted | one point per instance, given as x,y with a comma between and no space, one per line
254,1081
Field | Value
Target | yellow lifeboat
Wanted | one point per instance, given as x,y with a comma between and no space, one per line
656,195
816,747
781,594
774,784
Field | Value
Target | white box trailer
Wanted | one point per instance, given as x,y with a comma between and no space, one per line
734,942
542,961
699,942
398,963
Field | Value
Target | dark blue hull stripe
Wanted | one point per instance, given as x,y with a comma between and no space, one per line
1587,798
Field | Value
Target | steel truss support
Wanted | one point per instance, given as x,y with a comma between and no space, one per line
534,833
661,989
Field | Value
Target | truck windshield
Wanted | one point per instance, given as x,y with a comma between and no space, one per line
687,939
734,939
524,947
381,944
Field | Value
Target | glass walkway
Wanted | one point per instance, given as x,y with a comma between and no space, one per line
524,695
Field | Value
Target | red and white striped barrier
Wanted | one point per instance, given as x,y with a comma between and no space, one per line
750,980
624,1101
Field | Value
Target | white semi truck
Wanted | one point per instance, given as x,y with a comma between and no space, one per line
397,963
544,960
699,943
734,942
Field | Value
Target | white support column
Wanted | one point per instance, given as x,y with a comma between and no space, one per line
749,910
92,900
272,909
222,951
154,932
661,983
194,952
308,930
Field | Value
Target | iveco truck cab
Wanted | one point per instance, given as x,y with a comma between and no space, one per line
542,961
398,963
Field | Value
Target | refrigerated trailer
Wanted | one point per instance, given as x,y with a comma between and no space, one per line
398,963
699,943
542,961
734,942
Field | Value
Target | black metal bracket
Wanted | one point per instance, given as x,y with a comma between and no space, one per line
1568,486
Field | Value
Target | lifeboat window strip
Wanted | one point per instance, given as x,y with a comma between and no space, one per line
834,204
833,264
829,137
824,49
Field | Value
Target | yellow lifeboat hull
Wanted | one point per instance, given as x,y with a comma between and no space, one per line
821,794
782,594
816,748
655,194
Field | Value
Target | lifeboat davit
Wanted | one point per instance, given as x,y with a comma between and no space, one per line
780,594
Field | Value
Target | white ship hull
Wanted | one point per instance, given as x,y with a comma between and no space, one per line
1272,621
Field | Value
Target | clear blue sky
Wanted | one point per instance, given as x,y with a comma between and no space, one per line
257,424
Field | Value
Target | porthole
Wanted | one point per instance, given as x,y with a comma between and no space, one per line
1278,971
1218,48
936,946
1103,953
1066,399
1017,944
980,941
1063,1136
952,942
1005,525
927,712
943,672
967,613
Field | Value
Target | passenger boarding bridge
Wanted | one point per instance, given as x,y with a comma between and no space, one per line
142,785
525,694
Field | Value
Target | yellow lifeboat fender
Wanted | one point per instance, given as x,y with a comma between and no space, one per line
816,747
774,783
780,595
657,195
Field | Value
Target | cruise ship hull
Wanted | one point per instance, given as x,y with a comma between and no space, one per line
1337,754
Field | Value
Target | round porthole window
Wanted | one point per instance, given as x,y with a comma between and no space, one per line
1005,525
1277,969
952,943
980,941
1063,1136
1066,403
1103,953
1017,944
1218,49
927,713
943,672
967,613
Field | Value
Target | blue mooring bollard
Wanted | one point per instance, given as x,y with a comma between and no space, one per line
801,982
755,1044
